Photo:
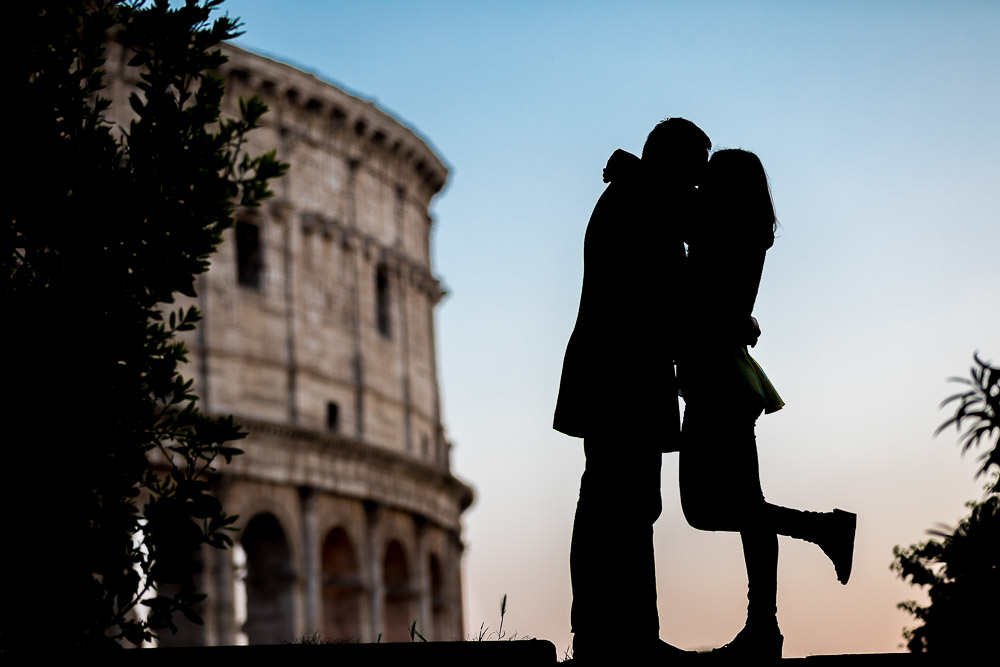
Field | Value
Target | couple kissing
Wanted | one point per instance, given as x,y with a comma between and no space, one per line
673,257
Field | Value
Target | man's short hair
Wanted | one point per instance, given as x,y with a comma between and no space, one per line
675,135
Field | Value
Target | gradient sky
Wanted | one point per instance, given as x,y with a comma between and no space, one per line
878,125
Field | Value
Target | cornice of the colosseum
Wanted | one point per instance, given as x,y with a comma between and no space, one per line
337,110
415,272
261,361
333,463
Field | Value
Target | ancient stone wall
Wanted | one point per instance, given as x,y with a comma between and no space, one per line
319,337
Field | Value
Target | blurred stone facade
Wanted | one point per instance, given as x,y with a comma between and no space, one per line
319,337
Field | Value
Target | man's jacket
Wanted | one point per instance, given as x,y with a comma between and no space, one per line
618,375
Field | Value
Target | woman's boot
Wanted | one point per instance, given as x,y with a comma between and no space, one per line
758,641
836,538
832,531
760,638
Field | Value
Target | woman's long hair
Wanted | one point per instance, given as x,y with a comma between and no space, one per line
737,198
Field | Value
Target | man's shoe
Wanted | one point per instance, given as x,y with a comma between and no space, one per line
587,651
662,652
759,642
620,652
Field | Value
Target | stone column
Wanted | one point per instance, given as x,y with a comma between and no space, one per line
207,585
376,582
223,599
311,560
282,213
288,260
402,275
439,444
353,165
453,585
201,336
425,616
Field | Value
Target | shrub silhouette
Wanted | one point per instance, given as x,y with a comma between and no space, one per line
107,456
961,566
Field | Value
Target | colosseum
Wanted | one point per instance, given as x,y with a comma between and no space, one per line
318,336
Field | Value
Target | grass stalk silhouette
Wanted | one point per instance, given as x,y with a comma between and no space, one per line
315,637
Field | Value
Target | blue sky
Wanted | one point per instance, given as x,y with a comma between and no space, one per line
877,124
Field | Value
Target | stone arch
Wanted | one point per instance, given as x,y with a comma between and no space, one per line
342,589
270,581
439,603
251,500
399,598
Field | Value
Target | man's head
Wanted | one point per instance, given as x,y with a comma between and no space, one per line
677,150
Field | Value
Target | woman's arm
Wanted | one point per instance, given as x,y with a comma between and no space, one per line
622,165
722,285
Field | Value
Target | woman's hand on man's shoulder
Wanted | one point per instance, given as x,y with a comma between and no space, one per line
622,165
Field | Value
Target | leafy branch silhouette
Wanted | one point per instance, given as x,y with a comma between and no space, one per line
961,566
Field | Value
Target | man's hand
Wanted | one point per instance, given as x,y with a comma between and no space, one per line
753,331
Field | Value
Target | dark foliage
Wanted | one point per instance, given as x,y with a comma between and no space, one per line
108,459
979,412
961,567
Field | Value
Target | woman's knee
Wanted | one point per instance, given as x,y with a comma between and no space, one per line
705,514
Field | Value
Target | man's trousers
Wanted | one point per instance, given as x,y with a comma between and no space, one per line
611,556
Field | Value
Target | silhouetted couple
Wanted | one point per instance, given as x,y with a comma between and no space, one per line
645,306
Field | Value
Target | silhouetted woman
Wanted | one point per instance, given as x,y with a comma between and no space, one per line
725,391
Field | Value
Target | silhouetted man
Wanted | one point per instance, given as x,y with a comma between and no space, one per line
619,394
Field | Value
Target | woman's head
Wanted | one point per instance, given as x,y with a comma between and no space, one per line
737,197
